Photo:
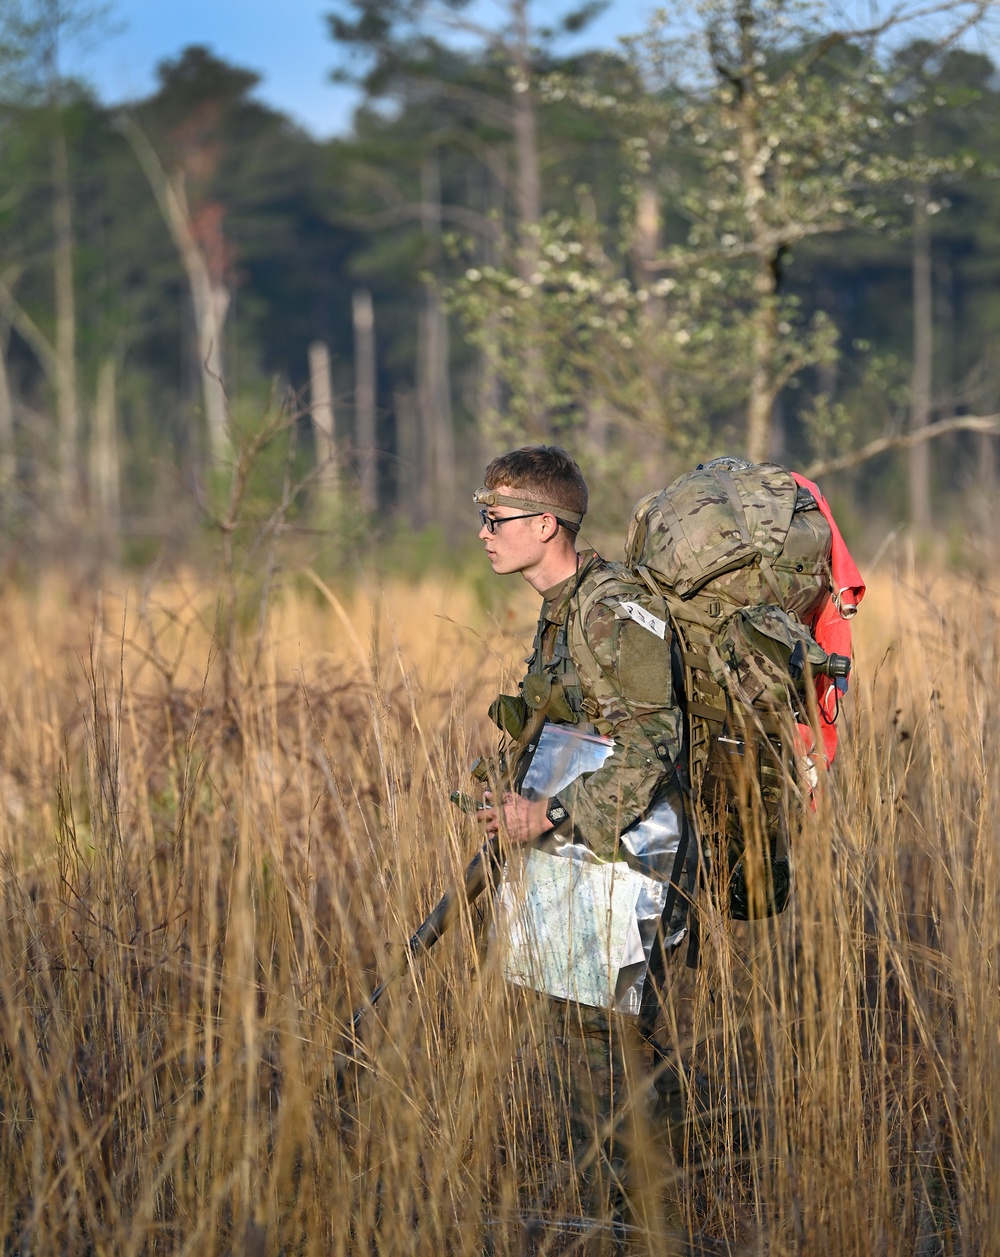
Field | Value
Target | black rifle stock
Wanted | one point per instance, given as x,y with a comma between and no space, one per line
483,871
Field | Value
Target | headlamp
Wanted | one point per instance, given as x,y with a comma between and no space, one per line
490,497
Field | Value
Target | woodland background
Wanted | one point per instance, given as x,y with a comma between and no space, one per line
249,382
764,227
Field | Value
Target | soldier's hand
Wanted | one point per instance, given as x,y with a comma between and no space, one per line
521,819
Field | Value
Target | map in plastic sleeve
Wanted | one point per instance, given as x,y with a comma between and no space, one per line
570,928
563,754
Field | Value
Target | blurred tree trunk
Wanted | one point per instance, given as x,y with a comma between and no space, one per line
488,391
201,246
67,406
324,426
918,459
598,428
778,442
764,317
426,403
493,241
411,488
8,460
437,444
986,464
760,405
646,246
105,472
529,205
211,304
364,397
988,513
945,383
433,381
45,354
529,201
444,443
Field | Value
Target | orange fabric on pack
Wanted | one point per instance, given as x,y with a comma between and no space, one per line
831,626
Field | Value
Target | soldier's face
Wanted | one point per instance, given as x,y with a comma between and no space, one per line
515,542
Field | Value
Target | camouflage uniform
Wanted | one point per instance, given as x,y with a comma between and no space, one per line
596,666
580,1127
604,670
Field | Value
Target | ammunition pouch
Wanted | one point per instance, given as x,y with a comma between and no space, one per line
542,696
561,704
547,696
537,689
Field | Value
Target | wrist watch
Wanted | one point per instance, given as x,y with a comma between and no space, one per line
556,813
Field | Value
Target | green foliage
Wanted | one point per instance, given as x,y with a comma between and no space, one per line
723,220
766,127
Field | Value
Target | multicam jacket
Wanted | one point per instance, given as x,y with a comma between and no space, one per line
601,659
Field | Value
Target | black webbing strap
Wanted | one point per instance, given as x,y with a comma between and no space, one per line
678,660
677,871
694,932
683,782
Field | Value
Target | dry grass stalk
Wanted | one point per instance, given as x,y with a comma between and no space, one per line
198,885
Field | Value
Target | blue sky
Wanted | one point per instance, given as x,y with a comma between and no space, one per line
285,41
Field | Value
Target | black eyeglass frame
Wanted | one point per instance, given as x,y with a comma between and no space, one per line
491,523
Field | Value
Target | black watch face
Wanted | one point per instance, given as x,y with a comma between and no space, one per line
556,813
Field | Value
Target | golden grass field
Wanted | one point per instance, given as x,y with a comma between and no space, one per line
209,831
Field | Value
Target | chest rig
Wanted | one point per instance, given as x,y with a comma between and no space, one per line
567,682
553,685
550,691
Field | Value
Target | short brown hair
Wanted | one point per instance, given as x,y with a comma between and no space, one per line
545,472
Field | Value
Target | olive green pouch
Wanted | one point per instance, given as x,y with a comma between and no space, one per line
537,687
509,712
543,693
559,708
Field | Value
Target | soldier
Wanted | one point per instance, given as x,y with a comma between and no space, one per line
601,661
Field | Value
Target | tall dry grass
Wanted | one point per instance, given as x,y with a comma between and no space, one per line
207,841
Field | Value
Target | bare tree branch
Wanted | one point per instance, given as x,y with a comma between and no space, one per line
904,441
765,247
169,193
898,17
414,210
31,334
487,108
210,297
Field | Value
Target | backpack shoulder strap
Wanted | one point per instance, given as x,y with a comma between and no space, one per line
596,587
706,706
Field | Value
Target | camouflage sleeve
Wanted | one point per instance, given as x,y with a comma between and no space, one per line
646,725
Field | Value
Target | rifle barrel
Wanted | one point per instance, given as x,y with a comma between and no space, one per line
481,872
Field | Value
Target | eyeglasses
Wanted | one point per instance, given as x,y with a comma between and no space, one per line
491,523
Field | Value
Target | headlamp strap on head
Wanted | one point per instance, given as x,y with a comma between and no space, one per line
489,497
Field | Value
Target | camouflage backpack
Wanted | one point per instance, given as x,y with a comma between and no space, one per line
741,554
